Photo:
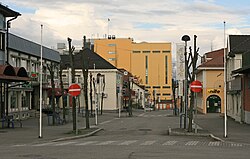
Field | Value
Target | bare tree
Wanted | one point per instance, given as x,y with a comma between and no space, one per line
71,50
51,69
193,63
62,92
85,69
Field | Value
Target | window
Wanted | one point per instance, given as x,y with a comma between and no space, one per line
148,87
156,51
146,66
24,63
165,86
156,86
2,41
13,99
166,94
166,69
112,52
111,44
166,51
112,59
136,52
145,51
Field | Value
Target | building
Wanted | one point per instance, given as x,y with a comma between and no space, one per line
237,79
150,62
110,86
24,97
245,71
211,73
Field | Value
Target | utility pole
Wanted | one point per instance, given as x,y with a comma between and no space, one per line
71,49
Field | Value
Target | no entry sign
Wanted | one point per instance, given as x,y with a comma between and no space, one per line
196,86
74,89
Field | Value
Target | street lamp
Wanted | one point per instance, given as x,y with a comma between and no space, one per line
186,38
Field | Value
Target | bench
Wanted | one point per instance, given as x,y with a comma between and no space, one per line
9,120
58,119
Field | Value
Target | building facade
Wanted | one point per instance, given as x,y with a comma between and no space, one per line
110,85
237,78
150,62
25,97
211,73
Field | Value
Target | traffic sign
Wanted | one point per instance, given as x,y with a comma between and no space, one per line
196,86
74,89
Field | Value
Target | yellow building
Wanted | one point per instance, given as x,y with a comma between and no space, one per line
151,62
211,74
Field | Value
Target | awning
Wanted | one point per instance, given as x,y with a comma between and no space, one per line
13,74
58,92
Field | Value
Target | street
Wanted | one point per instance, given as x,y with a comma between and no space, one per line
142,136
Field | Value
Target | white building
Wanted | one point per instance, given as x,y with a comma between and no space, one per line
96,65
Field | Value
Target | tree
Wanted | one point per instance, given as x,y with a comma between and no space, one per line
71,50
63,93
90,94
51,69
192,65
103,88
85,68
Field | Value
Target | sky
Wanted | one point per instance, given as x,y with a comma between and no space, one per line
142,20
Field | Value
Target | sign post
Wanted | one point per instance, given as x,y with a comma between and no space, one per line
196,87
75,90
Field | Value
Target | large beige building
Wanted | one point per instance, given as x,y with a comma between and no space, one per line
151,62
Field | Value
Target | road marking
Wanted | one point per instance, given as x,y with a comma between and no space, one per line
19,145
128,142
169,143
86,143
106,142
236,145
216,143
64,143
105,122
192,143
141,114
44,144
146,143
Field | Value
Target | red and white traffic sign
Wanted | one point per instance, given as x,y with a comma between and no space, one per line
74,89
196,86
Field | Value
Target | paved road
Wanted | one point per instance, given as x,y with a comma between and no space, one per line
141,136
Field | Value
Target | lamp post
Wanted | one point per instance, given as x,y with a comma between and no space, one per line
186,38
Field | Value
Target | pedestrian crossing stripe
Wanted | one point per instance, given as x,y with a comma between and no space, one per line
135,142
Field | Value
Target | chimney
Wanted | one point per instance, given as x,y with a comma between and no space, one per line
84,41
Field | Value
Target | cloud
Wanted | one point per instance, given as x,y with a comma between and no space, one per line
143,20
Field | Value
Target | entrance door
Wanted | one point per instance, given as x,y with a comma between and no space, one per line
213,104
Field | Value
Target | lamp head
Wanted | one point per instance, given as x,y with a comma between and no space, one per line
185,38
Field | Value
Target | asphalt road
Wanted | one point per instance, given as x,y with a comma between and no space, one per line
141,136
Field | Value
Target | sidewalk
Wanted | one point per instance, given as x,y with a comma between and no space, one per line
30,130
214,123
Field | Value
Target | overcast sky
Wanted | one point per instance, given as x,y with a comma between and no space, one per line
142,20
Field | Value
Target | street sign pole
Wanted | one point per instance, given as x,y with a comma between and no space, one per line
75,90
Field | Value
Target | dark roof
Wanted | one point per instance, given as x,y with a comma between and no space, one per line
216,61
95,60
7,12
31,48
239,44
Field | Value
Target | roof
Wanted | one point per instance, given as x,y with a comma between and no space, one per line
95,60
7,12
239,44
216,59
28,47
